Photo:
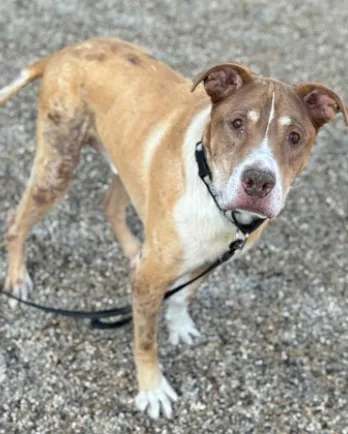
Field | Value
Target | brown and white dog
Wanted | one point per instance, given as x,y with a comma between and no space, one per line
144,118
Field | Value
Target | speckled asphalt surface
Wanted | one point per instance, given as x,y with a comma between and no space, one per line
273,353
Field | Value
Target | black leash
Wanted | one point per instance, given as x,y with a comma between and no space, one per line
97,316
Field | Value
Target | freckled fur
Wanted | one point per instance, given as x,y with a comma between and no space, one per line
135,60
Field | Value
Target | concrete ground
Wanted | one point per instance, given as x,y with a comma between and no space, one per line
273,353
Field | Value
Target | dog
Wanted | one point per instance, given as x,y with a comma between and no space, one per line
255,135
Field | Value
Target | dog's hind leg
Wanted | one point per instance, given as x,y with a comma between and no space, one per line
58,150
115,205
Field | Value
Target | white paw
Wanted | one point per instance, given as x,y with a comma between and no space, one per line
21,290
157,401
182,329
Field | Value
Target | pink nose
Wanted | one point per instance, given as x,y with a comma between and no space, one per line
257,183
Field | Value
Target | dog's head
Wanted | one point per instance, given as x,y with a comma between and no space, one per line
260,135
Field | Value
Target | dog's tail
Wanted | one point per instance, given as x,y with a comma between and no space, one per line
27,75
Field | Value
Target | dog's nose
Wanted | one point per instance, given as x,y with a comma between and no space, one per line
257,183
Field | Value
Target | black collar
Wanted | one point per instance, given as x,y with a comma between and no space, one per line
205,175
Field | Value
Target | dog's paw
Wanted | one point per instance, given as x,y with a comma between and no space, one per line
20,287
181,328
157,401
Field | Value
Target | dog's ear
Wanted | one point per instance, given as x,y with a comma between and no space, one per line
322,103
221,80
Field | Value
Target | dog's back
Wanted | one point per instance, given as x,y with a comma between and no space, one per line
100,71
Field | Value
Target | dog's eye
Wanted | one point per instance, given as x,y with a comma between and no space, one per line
238,124
294,138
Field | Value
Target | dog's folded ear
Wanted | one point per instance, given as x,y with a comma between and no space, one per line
322,103
221,80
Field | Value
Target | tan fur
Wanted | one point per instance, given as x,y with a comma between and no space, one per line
115,205
112,95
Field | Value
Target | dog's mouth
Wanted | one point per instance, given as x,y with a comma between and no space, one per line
250,210
246,217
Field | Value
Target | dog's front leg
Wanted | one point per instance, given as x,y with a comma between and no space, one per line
155,393
181,327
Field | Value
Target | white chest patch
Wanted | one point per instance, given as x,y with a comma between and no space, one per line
204,232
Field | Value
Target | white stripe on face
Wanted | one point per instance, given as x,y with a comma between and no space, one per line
270,119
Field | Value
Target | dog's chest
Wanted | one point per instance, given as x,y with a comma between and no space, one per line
204,231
